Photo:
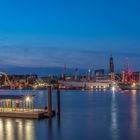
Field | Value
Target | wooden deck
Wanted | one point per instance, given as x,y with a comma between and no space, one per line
25,114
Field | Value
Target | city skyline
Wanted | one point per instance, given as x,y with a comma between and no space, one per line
77,33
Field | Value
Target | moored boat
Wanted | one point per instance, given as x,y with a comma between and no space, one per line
129,86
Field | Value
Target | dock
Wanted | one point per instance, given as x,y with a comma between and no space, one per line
22,106
26,114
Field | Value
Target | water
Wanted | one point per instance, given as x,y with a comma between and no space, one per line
90,115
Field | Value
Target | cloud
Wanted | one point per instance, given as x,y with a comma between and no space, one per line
30,55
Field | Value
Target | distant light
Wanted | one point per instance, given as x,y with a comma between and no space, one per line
113,89
134,85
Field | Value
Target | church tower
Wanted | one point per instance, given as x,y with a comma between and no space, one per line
111,65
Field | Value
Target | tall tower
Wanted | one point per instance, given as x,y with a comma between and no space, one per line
75,74
111,65
65,72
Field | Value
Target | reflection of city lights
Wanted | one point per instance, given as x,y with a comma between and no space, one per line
19,129
114,120
9,122
1,129
29,130
9,130
134,91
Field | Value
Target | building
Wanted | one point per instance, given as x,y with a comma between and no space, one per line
111,65
13,102
136,76
99,73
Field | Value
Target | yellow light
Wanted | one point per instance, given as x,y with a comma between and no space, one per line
113,89
134,85
35,86
134,91
27,99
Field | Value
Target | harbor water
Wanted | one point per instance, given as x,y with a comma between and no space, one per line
85,115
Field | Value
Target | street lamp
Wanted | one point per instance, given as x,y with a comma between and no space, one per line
27,99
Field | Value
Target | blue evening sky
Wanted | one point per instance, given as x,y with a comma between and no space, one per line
78,33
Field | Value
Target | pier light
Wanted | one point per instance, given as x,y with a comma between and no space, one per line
27,99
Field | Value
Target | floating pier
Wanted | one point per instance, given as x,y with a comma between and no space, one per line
30,114
21,106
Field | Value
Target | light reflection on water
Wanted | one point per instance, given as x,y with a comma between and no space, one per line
134,113
114,123
18,129
91,114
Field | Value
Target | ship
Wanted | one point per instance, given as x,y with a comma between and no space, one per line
129,86
84,85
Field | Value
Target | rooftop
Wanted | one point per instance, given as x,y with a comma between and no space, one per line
20,97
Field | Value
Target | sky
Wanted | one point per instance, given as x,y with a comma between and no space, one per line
78,33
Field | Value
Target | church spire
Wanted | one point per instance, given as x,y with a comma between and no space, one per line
111,65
